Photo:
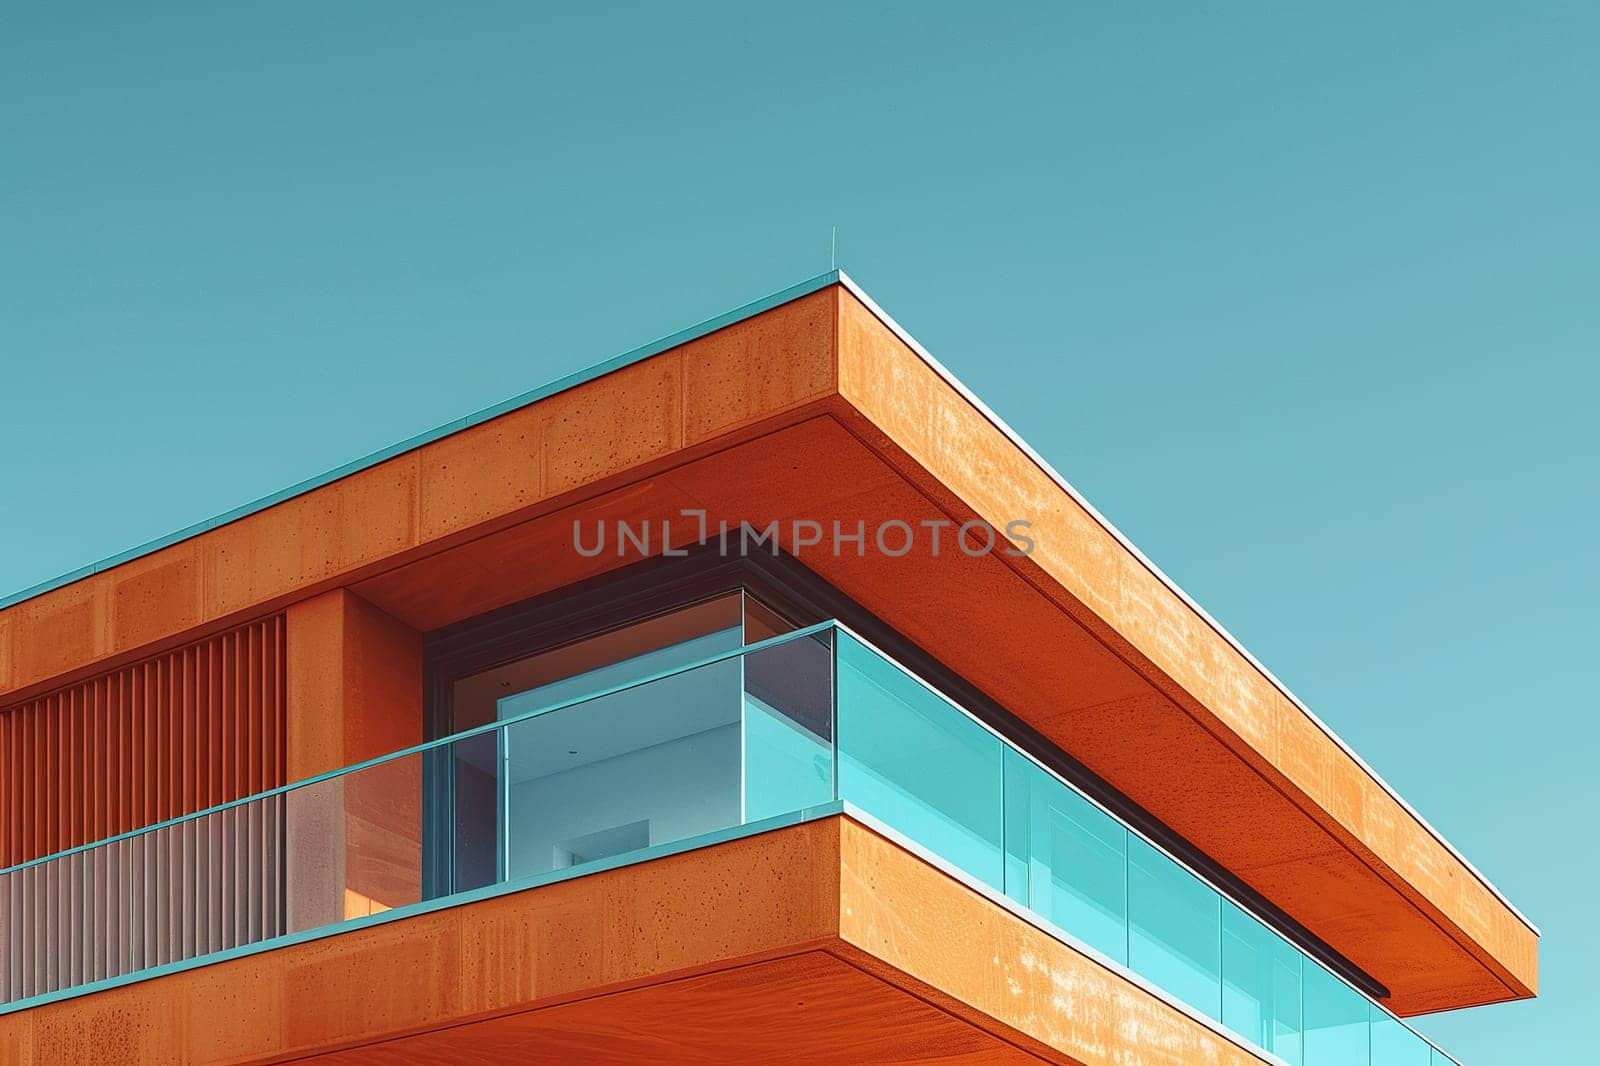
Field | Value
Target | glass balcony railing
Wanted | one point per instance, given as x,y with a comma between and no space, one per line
806,723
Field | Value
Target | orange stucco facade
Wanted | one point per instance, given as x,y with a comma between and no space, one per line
813,409
820,942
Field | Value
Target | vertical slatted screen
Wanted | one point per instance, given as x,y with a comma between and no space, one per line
196,727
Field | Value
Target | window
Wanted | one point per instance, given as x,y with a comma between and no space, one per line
577,777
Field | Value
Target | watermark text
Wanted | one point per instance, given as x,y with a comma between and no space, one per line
893,537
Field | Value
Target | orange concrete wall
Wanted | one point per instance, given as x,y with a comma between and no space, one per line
354,680
811,1007
633,924
354,693
824,888
922,928
176,733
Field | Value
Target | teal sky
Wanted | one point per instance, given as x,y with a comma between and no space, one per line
1302,296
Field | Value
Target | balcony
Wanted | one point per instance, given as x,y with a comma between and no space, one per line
805,725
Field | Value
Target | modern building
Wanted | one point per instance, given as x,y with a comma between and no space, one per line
756,696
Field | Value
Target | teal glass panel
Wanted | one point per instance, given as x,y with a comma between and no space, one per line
1336,1018
788,727
1066,859
353,845
910,759
1260,985
648,765
476,828
1174,929
1395,1045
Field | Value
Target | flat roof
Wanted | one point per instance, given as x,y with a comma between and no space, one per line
682,336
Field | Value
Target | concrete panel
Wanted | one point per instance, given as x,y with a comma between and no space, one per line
812,1007
365,518
53,634
622,420
483,473
736,377
354,683
909,920
155,596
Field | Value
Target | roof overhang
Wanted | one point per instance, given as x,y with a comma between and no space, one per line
814,406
